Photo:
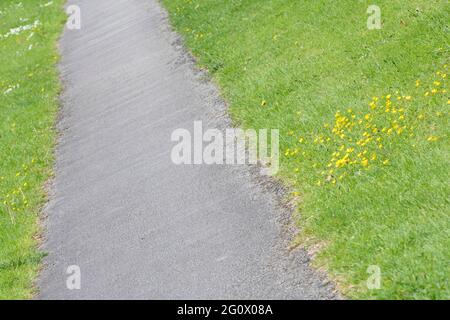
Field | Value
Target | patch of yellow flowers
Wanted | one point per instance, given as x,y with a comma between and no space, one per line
16,199
357,141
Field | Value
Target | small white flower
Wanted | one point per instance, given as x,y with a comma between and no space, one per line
11,89
46,4
18,30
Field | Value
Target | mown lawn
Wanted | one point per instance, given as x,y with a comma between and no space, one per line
364,121
29,88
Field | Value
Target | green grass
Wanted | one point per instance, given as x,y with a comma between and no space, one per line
29,88
292,65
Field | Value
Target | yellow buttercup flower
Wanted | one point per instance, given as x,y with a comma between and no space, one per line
364,162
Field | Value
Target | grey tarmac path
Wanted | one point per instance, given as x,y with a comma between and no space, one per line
137,225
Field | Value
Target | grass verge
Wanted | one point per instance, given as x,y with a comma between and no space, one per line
29,88
364,121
